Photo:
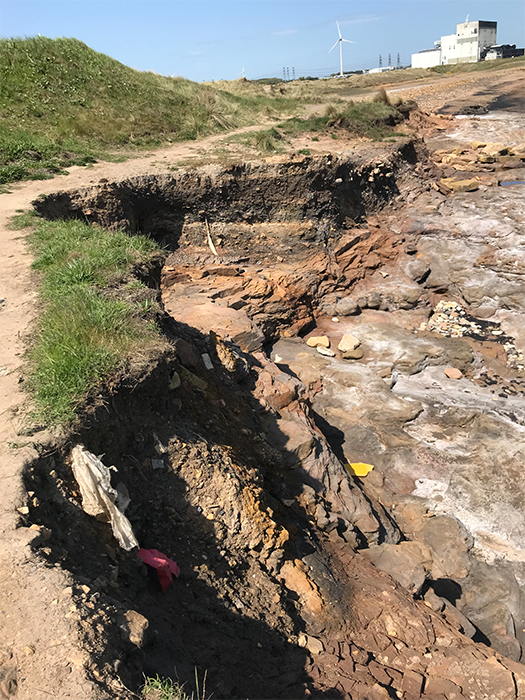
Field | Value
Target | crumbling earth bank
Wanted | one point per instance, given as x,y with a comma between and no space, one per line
297,579
268,604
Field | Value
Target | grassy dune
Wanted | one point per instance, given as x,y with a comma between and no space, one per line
63,104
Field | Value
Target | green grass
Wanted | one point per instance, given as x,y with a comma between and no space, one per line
96,316
64,104
372,119
163,689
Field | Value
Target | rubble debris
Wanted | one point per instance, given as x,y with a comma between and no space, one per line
451,320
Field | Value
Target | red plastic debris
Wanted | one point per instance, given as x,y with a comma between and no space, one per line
166,567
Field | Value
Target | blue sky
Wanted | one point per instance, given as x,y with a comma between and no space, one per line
215,39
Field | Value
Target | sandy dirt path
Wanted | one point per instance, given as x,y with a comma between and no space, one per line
31,616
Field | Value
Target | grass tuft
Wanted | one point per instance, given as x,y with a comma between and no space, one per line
369,119
382,97
96,315
163,689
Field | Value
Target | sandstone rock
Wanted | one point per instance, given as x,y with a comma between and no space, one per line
416,268
512,163
348,343
449,543
461,185
477,144
374,300
314,645
407,562
458,620
506,644
347,307
356,354
327,352
350,239
174,381
518,150
278,388
294,440
328,309
485,158
317,340
192,379
495,149
402,297
434,601
186,353
453,373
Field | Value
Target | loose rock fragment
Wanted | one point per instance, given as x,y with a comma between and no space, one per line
461,185
316,341
453,373
347,307
327,352
348,342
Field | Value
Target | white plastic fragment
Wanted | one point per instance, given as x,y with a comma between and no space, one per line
161,449
123,499
210,241
98,496
207,361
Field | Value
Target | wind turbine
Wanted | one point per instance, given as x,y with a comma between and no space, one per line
340,42
242,74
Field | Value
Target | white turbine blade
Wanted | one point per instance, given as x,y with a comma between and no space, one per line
333,47
348,41
338,28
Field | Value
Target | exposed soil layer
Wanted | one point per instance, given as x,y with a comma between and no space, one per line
238,474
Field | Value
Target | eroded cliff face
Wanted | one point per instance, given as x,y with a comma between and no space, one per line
299,578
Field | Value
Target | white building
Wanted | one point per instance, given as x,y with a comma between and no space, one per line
381,70
465,46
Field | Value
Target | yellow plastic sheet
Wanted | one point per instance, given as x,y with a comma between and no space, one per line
360,468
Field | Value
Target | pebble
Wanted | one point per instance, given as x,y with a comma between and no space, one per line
325,351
